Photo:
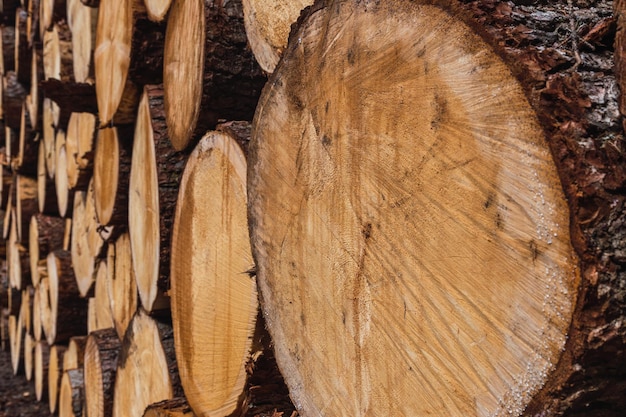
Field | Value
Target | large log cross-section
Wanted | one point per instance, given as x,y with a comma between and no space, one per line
409,226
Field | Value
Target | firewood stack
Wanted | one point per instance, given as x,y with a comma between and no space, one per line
400,207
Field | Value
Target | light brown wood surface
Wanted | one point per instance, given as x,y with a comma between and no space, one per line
121,285
214,301
100,365
417,235
55,373
147,370
268,23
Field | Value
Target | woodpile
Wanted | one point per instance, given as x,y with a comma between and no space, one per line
318,208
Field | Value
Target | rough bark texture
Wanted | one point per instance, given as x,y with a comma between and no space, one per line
176,407
71,395
42,355
67,309
13,95
72,97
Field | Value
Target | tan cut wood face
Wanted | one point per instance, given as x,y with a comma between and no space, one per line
112,54
143,207
183,69
268,23
214,301
157,9
409,226
106,173
142,376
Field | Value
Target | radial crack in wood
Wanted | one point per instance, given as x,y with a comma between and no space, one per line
72,393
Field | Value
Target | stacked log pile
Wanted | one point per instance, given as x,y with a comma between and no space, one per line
401,207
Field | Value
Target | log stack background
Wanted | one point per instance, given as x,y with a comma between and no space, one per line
103,103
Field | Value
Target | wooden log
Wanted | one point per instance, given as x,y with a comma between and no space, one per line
147,358
265,391
32,21
155,175
16,337
91,3
122,284
383,205
125,39
71,96
91,315
67,310
65,195
46,192
8,213
75,353
51,12
72,393
573,114
34,100
49,135
26,308
111,175
176,407
25,205
37,304
42,358
267,28
211,254
619,7
219,81
79,146
102,298
7,180
55,373
19,263
57,53
82,22
29,351
157,9
100,366
45,236
8,48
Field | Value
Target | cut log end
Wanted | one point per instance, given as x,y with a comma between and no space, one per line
182,78
143,361
218,331
267,26
112,55
438,231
